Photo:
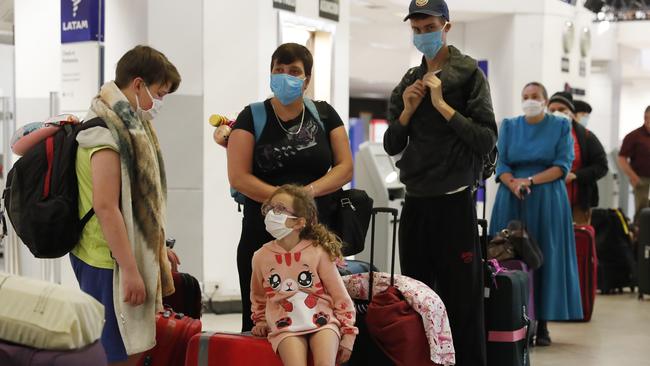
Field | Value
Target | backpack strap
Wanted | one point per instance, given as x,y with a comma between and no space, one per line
93,122
259,118
311,107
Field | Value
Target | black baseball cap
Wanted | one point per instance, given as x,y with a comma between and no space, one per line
436,8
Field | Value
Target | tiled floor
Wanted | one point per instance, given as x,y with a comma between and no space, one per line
619,334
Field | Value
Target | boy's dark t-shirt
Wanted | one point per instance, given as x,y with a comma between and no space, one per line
300,156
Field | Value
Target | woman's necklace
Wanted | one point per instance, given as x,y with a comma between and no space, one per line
302,119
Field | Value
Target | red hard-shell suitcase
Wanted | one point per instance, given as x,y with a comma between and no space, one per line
587,267
173,332
17,355
228,349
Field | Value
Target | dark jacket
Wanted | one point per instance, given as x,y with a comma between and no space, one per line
594,166
439,155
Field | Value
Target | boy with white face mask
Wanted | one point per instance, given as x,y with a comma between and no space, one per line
441,119
120,259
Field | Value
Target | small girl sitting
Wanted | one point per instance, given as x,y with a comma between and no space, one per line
298,297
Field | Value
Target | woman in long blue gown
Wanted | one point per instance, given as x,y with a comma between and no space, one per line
535,154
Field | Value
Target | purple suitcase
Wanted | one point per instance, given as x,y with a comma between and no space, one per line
17,355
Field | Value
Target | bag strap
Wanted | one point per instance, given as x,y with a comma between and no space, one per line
84,220
259,118
311,107
93,122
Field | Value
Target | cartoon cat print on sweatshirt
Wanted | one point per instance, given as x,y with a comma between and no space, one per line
299,287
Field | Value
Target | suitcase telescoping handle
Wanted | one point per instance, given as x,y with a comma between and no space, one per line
522,207
375,211
483,223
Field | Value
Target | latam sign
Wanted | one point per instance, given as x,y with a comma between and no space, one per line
82,20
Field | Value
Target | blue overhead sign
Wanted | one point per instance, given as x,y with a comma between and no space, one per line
82,20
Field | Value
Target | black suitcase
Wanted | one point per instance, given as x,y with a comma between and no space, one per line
643,274
506,318
187,297
366,351
616,266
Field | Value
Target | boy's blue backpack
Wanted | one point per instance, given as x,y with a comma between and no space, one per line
259,122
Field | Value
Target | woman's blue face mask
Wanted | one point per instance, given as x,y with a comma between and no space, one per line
429,43
286,88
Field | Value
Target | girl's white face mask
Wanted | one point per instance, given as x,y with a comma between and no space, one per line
276,224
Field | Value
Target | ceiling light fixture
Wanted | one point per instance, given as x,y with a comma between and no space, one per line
619,10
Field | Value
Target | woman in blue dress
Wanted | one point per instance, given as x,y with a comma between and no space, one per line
535,155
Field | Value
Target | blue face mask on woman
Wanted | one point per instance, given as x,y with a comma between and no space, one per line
429,43
286,88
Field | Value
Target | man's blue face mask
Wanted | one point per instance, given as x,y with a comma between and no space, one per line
429,43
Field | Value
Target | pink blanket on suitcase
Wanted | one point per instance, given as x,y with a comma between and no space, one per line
422,299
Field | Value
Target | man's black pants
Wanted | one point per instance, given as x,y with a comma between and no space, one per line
439,245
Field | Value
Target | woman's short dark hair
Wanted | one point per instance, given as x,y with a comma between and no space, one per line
647,110
149,64
539,85
291,52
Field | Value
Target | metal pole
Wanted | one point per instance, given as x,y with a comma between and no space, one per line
12,263
51,268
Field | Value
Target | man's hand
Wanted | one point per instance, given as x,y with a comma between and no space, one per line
634,180
412,97
435,86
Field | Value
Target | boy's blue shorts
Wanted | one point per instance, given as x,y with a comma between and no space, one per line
98,283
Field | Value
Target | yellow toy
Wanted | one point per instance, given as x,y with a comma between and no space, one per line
224,127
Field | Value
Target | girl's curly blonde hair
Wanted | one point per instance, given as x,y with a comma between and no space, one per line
304,206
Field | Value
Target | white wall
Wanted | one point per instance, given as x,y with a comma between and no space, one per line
602,121
175,28
236,73
38,49
7,73
635,98
554,24
493,40
125,28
